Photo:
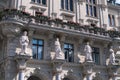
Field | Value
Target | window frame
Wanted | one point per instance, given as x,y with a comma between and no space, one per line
37,45
91,8
96,53
68,55
41,2
111,20
66,5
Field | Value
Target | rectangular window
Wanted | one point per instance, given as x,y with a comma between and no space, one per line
33,0
87,10
91,8
67,5
111,20
95,11
37,48
91,11
69,52
38,1
96,55
42,2
71,5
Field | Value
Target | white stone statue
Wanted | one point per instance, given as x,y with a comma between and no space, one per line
112,55
24,41
88,52
58,52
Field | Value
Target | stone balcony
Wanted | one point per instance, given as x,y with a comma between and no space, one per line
56,24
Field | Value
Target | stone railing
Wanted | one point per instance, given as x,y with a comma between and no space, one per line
13,14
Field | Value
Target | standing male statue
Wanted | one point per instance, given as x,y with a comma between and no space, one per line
24,41
58,52
112,55
88,52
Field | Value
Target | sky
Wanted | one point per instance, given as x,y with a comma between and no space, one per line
117,1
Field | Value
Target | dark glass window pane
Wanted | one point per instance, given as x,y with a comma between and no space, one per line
95,12
66,4
109,19
38,1
66,46
90,1
113,20
40,51
44,2
91,11
86,0
40,42
66,54
34,48
62,4
96,55
34,41
71,5
37,48
69,52
87,9
33,0
94,2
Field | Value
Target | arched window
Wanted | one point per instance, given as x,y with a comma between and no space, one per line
33,78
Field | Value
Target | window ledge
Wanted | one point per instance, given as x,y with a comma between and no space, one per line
38,4
91,17
66,12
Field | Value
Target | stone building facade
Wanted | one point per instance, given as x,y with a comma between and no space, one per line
73,23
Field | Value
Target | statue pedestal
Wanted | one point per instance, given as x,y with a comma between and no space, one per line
27,53
112,71
88,69
21,64
57,67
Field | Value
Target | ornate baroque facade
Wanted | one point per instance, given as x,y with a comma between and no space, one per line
72,23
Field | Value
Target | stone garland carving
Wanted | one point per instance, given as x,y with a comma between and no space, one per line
88,52
24,41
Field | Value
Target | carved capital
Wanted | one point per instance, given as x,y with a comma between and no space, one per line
88,67
57,65
21,61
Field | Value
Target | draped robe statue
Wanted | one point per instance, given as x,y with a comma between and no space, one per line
58,52
112,55
88,52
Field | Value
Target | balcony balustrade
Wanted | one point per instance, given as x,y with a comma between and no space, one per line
17,15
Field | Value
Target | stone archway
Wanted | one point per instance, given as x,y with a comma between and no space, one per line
34,78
